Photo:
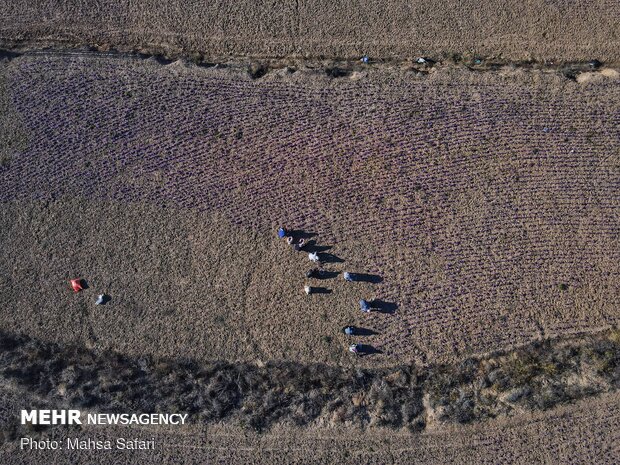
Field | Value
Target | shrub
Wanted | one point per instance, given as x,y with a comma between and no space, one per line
536,377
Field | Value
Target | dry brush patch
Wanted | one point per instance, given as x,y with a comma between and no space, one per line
537,377
580,433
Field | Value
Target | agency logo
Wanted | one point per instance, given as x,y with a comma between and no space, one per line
51,417
75,417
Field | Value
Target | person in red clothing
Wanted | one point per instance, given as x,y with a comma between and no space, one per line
76,285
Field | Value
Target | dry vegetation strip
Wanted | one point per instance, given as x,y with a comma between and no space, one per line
537,377
583,432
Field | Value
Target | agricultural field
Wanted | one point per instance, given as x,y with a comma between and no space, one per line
486,206
478,205
540,30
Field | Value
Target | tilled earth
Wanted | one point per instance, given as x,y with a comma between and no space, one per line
541,30
486,205
484,208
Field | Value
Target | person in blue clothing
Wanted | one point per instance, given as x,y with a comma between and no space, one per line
365,306
349,330
281,232
348,276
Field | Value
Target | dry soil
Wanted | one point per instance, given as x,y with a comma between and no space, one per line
543,30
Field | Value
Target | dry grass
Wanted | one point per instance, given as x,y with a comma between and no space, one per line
578,434
259,396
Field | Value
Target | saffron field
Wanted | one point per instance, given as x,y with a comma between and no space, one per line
488,204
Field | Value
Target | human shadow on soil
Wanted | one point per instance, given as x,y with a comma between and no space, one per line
329,258
321,290
367,278
357,331
312,246
300,234
381,306
367,349
322,274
